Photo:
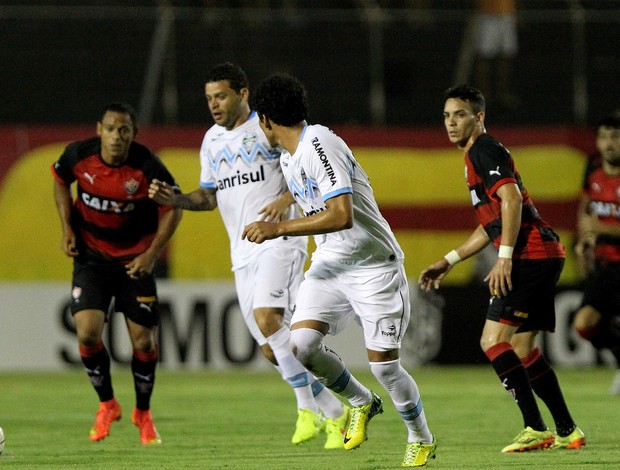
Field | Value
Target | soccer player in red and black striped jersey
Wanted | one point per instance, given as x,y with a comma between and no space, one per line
598,245
115,234
522,281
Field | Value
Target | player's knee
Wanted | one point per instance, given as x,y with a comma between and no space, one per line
586,319
305,344
269,355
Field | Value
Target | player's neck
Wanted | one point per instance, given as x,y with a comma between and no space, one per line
611,169
290,136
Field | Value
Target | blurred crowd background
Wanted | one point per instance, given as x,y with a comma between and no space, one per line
364,62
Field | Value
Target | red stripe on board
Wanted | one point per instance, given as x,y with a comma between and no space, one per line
560,214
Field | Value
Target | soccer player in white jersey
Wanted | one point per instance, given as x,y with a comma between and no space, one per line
357,268
240,174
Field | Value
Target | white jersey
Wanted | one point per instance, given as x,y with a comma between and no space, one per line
323,167
245,171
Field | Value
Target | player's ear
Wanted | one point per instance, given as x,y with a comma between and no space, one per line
99,128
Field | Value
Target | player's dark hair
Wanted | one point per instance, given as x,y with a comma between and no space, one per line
282,99
124,108
468,93
228,71
611,120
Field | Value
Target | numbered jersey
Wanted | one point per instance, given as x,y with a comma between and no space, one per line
245,172
323,167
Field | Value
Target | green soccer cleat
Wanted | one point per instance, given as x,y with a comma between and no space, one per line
530,439
418,454
357,431
308,426
575,440
335,429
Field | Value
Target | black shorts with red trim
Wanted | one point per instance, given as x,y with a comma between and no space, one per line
96,285
602,289
531,304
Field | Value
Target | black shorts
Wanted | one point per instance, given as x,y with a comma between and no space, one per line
530,304
95,285
602,290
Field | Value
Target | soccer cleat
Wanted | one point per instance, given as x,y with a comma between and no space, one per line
335,429
357,432
614,389
418,454
109,411
143,420
308,426
575,440
530,439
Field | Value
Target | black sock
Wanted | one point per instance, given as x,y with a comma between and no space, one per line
545,384
515,380
143,368
96,360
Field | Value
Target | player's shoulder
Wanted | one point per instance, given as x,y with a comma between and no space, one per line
487,146
83,148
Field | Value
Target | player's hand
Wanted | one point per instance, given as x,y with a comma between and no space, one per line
275,211
68,244
432,276
500,278
141,266
161,192
258,232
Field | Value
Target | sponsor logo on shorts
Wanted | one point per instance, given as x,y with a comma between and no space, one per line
391,331
76,292
277,294
521,314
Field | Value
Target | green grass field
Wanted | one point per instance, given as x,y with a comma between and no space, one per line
244,420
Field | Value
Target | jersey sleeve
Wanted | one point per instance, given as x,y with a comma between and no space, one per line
62,169
493,164
330,165
207,176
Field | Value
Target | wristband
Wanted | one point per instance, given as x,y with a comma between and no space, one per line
452,258
505,251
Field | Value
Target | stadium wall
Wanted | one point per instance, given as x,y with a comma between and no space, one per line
419,184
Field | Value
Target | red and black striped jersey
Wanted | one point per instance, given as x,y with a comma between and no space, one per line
113,217
603,191
489,165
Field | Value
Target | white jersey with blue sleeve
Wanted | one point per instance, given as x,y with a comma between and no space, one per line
245,172
323,167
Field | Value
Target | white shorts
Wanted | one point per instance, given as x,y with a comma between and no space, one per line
380,299
270,281
496,35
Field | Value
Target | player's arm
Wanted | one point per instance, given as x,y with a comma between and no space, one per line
432,276
144,263
277,209
338,215
500,276
64,205
201,199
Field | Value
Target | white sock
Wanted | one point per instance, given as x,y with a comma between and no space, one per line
327,366
291,369
406,397
327,402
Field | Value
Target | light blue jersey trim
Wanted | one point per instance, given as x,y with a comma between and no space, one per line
208,185
338,192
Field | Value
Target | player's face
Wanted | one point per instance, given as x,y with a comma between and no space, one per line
608,143
460,120
117,132
225,104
